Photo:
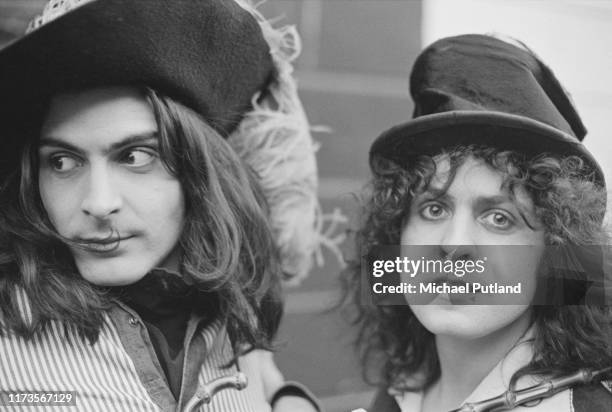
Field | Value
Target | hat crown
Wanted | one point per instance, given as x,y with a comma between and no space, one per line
479,90
484,73
52,10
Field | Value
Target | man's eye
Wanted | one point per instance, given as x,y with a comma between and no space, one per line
433,212
64,163
498,220
138,157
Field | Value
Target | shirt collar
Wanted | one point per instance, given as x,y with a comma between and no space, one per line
497,382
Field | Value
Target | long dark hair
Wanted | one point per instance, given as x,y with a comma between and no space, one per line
227,243
394,345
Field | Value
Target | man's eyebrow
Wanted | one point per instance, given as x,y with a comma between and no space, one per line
128,141
52,141
437,193
135,139
488,201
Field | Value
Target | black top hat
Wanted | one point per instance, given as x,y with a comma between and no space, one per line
477,89
210,55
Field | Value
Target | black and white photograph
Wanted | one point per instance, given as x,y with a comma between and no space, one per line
306,205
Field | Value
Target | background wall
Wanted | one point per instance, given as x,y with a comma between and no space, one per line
353,78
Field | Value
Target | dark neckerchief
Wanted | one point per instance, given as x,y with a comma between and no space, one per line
165,300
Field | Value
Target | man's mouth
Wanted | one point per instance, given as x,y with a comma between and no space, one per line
467,298
101,244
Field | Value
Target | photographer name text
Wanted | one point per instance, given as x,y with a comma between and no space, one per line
450,288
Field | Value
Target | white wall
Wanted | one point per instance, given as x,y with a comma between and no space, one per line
572,36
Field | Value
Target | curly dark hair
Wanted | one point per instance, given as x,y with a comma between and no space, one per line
391,341
227,243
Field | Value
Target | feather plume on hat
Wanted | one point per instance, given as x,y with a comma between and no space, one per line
274,139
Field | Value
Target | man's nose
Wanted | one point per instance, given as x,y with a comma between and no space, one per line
458,237
101,198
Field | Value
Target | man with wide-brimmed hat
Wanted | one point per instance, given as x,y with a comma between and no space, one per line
158,182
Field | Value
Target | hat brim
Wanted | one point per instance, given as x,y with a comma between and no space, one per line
432,133
210,56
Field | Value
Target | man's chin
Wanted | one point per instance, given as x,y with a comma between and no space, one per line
108,275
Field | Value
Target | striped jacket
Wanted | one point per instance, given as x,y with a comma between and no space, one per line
120,372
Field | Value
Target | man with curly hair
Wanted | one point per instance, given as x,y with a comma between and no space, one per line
491,165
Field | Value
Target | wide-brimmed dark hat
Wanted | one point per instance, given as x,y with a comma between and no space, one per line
477,89
221,58
209,55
